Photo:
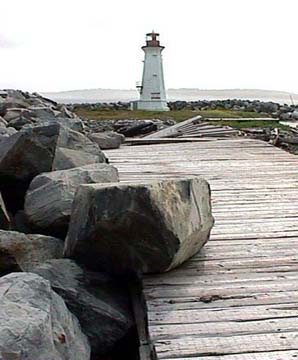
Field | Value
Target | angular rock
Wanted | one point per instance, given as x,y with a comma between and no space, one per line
35,323
136,128
20,252
74,140
74,123
108,140
28,153
4,217
21,121
147,228
46,113
100,304
23,156
14,113
23,110
32,151
68,158
66,112
50,195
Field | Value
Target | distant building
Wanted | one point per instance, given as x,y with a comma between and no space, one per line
152,90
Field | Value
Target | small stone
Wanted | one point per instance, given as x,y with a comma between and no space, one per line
108,140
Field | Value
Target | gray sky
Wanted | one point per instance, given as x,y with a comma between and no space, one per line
210,44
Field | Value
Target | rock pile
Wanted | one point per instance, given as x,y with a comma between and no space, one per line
102,106
258,106
56,185
286,138
266,108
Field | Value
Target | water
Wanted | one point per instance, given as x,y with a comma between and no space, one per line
109,95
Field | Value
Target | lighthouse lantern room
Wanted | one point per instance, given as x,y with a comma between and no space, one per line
152,89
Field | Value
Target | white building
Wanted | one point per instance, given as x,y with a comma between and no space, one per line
152,91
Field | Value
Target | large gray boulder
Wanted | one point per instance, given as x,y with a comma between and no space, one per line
28,153
68,158
40,116
32,151
35,150
50,195
35,323
14,113
75,124
107,140
100,304
74,140
20,123
20,252
23,156
148,228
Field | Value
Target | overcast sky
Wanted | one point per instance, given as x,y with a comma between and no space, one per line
210,44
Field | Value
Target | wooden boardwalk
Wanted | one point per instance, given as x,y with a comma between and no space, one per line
238,298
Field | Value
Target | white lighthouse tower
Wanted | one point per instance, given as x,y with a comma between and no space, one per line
152,91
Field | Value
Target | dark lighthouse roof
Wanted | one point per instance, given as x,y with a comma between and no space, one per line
152,40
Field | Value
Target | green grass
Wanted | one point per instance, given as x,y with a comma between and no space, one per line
250,124
179,115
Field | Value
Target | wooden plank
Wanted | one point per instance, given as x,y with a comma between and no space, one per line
179,278
173,129
239,119
270,355
215,302
155,141
226,328
241,290
239,314
237,299
195,346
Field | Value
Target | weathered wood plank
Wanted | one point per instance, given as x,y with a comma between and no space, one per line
270,355
237,299
195,346
225,328
173,129
240,314
214,302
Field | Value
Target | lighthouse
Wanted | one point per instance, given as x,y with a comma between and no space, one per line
152,90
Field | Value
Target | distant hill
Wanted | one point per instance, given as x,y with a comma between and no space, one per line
114,95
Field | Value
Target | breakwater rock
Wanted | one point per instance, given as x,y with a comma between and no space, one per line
60,197
257,106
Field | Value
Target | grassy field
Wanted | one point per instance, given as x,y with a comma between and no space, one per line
251,124
178,116
181,115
